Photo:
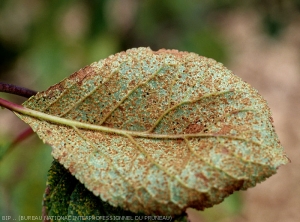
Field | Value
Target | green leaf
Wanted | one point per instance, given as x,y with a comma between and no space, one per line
158,132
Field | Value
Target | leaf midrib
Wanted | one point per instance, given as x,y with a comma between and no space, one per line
145,134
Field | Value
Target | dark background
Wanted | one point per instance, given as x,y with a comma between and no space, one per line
43,42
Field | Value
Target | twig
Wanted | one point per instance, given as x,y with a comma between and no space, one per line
21,137
17,90
20,91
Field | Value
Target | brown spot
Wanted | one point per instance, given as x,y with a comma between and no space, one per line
171,51
233,187
110,125
235,111
201,176
132,83
225,101
72,168
194,128
179,141
225,129
225,150
200,203
246,101
80,75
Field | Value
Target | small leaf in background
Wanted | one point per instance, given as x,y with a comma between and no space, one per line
158,132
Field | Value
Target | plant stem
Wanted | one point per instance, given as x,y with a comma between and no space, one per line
11,106
21,137
17,90
20,91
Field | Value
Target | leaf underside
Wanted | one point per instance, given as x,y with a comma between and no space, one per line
158,132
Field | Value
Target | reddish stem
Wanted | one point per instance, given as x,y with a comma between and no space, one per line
9,105
17,90
22,136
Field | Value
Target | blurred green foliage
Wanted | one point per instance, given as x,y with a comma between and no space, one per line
42,42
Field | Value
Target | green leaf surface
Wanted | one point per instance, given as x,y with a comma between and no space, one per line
158,132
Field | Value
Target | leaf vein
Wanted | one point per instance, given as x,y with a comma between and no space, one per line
62,121
127,95
139,147
108,159
88,94
181,103
213,166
